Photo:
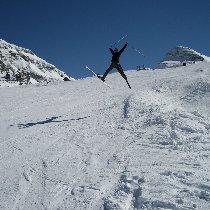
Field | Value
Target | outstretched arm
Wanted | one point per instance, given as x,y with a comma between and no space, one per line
112,51
126,44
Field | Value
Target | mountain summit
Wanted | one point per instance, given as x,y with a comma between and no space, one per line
16,60
180,56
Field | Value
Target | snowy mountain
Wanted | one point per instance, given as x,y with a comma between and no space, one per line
17,61
180,55
90,147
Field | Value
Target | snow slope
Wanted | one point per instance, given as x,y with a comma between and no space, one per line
92,147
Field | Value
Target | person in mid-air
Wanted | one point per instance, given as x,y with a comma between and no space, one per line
115,64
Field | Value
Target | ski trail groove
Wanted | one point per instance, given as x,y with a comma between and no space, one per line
126,106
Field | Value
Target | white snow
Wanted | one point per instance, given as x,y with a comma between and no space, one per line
181,55
81,145
14,60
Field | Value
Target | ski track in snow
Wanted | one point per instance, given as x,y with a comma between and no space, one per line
80,145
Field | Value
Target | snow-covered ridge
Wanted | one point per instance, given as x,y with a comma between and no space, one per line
181,56
18,60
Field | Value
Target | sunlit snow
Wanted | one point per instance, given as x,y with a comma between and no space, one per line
81,145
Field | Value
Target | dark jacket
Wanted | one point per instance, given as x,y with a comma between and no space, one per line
116,55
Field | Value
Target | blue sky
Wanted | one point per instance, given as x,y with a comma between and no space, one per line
73,34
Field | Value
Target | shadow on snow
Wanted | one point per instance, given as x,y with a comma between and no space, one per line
46,121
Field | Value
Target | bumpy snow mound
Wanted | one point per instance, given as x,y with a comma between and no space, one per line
14,59
180,55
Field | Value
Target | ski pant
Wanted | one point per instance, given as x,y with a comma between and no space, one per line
116,66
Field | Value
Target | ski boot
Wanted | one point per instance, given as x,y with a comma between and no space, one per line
101,77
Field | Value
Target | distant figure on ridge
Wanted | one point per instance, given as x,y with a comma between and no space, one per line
115,64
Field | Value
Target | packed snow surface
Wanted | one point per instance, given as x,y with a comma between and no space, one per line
80,145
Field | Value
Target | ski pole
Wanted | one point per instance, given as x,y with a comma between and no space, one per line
137,50
117,42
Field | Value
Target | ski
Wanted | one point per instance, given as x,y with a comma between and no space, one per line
128,84
97,76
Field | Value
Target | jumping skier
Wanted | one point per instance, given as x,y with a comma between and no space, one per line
115,64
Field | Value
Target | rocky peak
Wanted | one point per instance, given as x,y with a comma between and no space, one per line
180,55
16,60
